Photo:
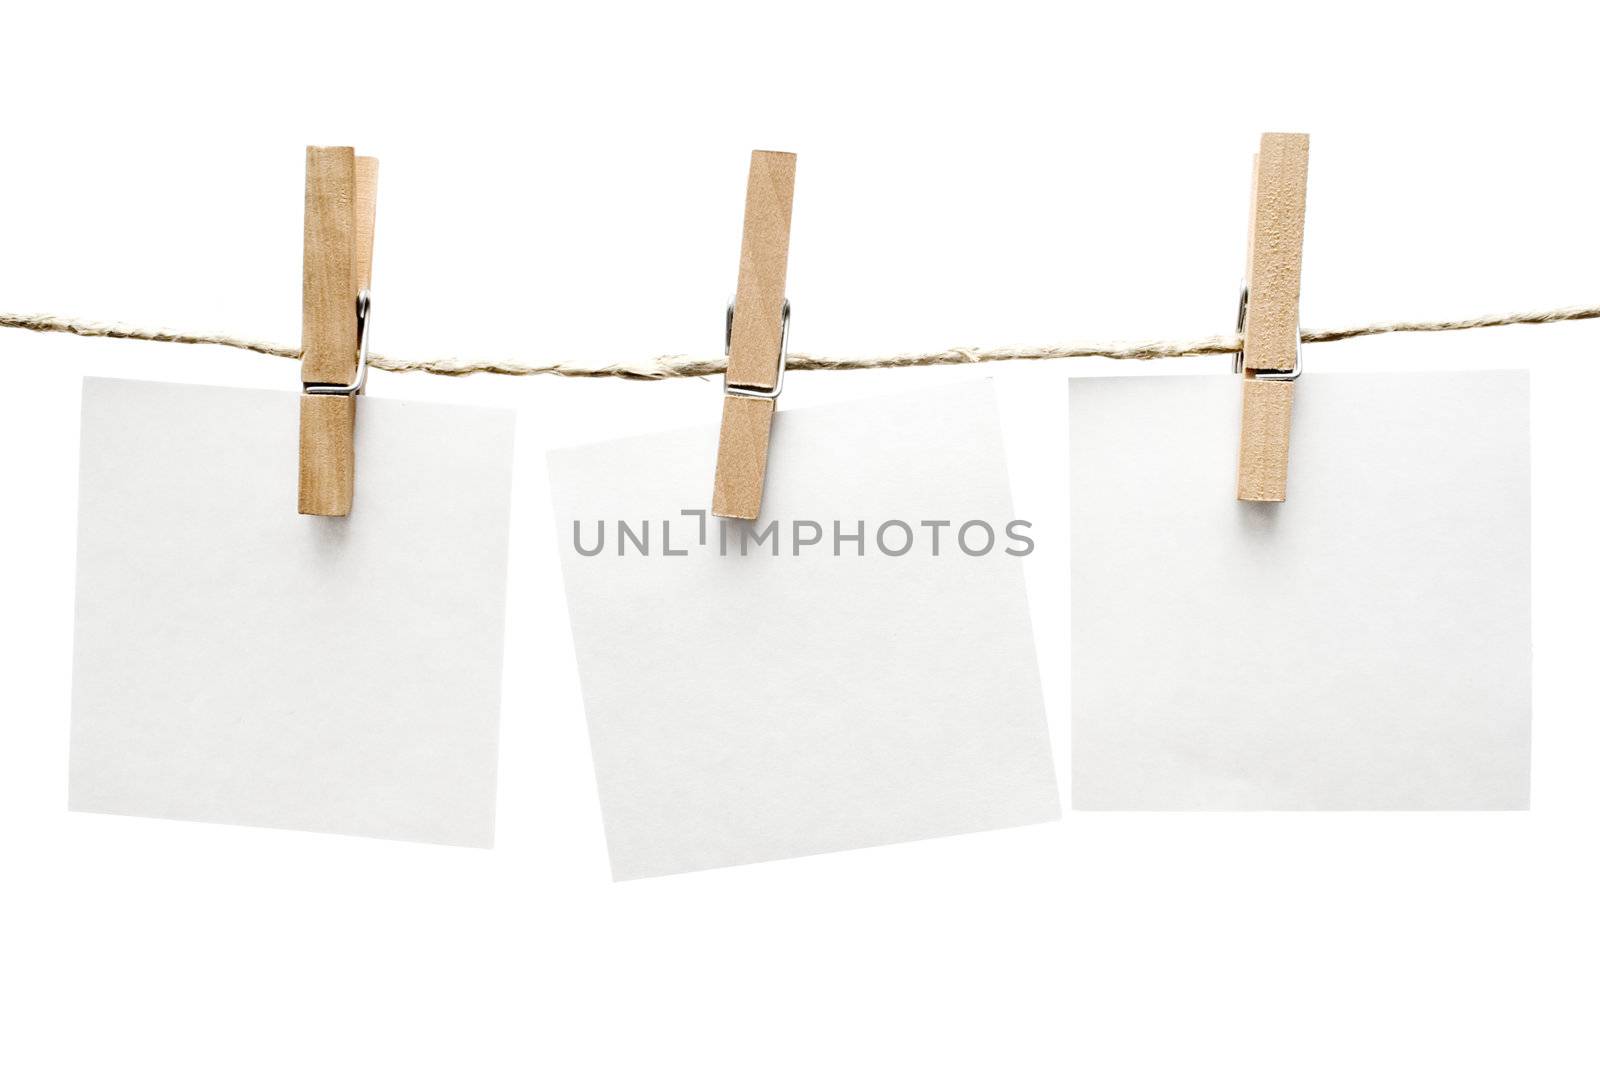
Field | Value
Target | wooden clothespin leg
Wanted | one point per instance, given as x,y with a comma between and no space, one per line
341,212
758,324
1272,314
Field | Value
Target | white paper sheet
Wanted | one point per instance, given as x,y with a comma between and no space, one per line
237,662
752,707
1365,645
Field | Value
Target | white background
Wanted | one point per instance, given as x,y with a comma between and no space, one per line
570,183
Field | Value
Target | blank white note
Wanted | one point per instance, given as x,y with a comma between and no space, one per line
1365,645
238,662
745,705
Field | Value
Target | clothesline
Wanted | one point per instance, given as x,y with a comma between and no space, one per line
658,368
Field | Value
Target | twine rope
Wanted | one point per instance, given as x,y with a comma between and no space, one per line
658,368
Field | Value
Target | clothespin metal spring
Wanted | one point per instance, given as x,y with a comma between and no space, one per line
363,330
730,389
1238,357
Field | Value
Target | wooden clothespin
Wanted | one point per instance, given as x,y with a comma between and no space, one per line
757,338
341,211
1269,314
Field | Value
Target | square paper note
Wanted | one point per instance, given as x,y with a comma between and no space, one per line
237,662
854,668
1365,645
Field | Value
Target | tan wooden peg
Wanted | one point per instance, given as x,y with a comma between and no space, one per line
1270,314
341,213
758,325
